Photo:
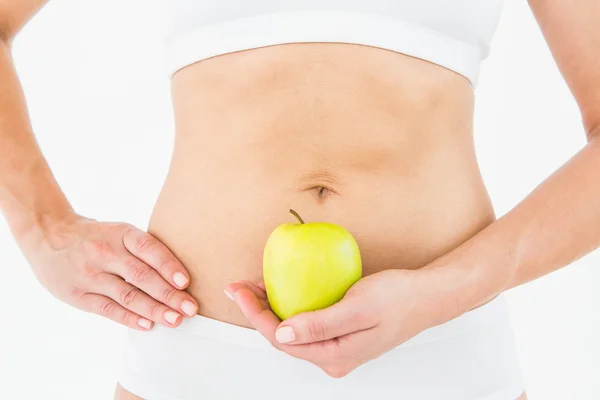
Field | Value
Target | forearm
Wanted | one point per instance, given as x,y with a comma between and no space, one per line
555,225
29,194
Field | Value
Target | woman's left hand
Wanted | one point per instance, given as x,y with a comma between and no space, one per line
378,313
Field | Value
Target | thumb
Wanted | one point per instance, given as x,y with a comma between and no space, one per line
347,316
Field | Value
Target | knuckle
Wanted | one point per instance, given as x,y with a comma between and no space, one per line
89,269
129,295
138,272
74,292
129,319
145,242
83,278
316,330
168,294
126,231
167,266
124,226
154,310
107,308
102,248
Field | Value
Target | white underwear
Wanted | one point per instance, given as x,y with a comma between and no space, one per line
472,357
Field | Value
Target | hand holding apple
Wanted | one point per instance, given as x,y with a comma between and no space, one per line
331,317
378,313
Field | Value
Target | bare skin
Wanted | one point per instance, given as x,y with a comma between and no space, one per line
376,141
332,131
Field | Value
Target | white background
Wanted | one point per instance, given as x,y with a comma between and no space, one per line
99,101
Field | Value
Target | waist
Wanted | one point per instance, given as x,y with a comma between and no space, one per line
375,141
218,230
493,315
470,357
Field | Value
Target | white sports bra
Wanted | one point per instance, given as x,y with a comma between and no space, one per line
455,34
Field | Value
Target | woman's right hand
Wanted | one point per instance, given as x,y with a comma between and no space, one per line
111,269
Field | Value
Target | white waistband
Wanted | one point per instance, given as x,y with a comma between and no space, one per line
470,357
492,313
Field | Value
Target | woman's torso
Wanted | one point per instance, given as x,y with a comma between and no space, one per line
374,140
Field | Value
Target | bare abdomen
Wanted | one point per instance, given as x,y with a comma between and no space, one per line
378,142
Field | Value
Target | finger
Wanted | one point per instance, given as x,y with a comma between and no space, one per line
102,305
255,288
260,316
135,300
142,276
154,253
256,310
347,316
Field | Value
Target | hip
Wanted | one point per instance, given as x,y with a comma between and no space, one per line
468,358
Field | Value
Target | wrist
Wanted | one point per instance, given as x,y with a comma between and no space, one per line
31,199
467,277
44,226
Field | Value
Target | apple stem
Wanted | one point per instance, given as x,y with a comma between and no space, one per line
295,214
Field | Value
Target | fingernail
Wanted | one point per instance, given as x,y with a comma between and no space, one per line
285,334
144,323
171,317
180,279
229,295
189,308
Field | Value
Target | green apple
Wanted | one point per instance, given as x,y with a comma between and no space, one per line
309,266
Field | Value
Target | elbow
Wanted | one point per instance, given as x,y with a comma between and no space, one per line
5,35
593,135
591,122
7,31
